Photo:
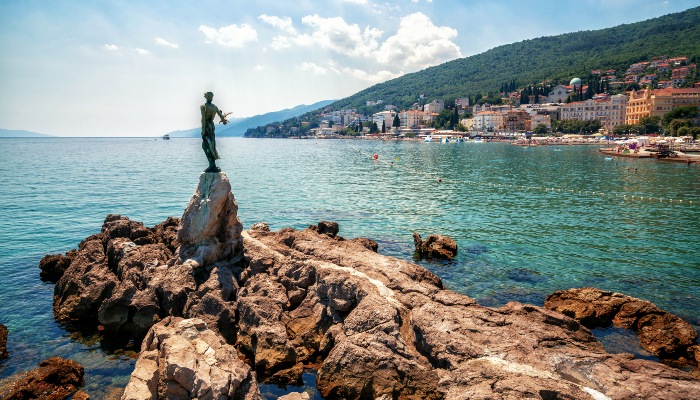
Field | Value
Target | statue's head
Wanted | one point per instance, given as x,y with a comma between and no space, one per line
209,95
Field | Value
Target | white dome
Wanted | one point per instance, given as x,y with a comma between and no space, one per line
575,81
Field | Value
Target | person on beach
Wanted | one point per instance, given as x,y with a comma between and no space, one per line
209,110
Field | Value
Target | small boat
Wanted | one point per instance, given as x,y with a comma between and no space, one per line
445,140
478,140
166,137
428,139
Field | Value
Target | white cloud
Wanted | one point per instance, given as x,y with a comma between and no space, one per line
142,52
282,23
372,77
419,44
111,47
280,42
337,35
162,42
258,67
230,36
314,68
356,1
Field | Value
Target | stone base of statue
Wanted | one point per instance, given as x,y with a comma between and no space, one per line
210,230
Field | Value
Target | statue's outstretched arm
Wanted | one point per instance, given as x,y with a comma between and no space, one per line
223,116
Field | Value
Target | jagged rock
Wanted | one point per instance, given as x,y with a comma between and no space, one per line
662,334
3,342
55,379
295,396
183,359
209,230
129,277
260,226
80,395
54,265
366,243
328,227
385,328
435,247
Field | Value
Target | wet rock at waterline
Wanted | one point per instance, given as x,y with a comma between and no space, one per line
662,334
437,247
3,342
56,378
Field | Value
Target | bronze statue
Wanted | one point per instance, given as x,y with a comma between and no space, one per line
209,110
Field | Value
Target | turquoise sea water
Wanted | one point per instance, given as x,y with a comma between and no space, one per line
528,221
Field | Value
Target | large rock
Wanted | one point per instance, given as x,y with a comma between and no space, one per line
3,342
182,359
437,247
128,277
55,379
54,265
662,334
385,328
209,229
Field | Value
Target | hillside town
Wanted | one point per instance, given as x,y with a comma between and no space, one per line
609,102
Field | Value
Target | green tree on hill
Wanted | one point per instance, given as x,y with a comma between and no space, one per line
397,122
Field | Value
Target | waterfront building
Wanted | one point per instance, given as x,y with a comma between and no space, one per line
515,120
541,119
410,118
429,117
558,94
488,120
552,110
386,117
656,103
467,123
435,106
610,112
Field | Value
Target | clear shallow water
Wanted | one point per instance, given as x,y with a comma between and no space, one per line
518,239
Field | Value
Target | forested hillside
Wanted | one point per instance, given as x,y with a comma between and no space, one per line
555,58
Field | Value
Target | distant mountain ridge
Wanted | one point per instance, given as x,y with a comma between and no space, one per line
237,127
14,133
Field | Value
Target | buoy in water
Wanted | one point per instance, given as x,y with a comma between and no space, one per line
440,180
376,156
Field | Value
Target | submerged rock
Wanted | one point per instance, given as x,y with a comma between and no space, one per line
437,247
3,342
183,359
55,379
662,334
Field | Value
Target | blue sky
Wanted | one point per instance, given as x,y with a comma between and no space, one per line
139,68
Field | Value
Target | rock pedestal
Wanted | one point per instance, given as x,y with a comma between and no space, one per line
209,230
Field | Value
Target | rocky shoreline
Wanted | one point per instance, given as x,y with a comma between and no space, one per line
219,309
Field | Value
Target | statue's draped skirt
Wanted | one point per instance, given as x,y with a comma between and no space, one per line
209,141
